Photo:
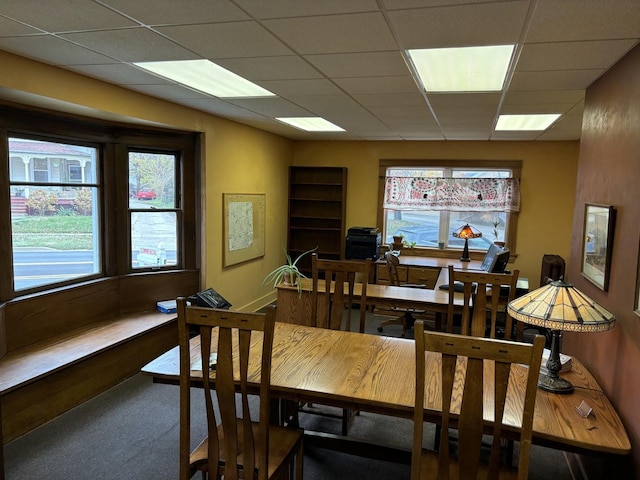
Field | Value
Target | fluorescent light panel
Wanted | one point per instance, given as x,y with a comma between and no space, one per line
206,77
526,122
311,124
466,69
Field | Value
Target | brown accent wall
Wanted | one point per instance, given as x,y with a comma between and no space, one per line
609,173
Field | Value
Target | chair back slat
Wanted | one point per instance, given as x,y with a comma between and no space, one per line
475,374
232,336
340,277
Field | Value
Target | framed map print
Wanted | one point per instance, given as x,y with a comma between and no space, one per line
243,227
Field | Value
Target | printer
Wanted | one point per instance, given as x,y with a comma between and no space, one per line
363,243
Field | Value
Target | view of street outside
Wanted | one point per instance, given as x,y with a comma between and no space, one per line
55,212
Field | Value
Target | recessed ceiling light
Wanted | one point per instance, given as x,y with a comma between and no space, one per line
311,124
526,122
466,69
207,77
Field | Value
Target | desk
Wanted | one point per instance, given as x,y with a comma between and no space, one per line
296,308
377,374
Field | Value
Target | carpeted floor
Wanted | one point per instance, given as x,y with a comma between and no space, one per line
131,432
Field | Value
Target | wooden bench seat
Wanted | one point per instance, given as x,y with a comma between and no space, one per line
64,347
35,361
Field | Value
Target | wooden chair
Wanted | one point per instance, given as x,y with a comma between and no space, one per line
406,318
257,449
328,310
482,296
463,402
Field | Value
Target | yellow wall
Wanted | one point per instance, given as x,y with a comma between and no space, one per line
547,187
240,159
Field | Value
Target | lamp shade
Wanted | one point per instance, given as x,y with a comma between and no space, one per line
466,231
560,306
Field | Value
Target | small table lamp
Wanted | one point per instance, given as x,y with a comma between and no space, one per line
559,306
466,232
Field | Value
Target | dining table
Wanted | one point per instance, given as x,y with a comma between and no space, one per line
376,373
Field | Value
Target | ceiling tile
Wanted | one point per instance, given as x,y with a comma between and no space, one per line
368,32
50,49
543,96
289,88
64,15
555,80
227,40
120,73
377,85
364,64
271,107
297,8
457,26
9,28
573,20
132,45
572,55
288,67
164,12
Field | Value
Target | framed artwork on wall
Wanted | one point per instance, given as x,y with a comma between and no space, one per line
636,306
599,223
243,232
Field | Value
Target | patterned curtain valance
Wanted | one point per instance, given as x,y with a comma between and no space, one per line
455,194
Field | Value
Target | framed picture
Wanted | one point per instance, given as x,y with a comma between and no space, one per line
597,243
636,307
243,233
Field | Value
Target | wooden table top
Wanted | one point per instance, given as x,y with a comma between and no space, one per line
377,374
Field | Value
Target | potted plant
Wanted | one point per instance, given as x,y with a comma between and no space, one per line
496,222
288,273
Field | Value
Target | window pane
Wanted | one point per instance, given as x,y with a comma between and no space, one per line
36,161
54,238
151,180
153,239
54,228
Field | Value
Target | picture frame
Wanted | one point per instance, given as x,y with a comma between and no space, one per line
597,243
636,306
243,232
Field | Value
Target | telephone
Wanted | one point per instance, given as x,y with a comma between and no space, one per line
210,298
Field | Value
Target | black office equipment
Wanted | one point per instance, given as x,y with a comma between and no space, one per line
363,243
210,298
496,259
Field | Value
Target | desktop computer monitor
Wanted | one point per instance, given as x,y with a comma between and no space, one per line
495,259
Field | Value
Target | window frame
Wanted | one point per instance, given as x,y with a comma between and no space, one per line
512,217
113,140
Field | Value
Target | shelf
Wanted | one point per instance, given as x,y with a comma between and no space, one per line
317,210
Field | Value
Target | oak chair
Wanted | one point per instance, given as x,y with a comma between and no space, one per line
406,318
482,297
488,365
328,310
260,451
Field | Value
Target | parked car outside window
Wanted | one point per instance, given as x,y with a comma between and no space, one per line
146,194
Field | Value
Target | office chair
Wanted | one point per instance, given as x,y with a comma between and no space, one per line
463,402
238,447
406,318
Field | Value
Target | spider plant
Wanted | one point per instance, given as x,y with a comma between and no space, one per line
288,273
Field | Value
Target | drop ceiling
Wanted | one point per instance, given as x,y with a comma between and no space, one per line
343,60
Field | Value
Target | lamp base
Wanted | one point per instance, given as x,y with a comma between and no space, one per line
554,384
462,259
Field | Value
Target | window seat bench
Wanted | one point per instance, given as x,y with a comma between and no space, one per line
73,345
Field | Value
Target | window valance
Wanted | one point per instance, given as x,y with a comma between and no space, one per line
455,194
